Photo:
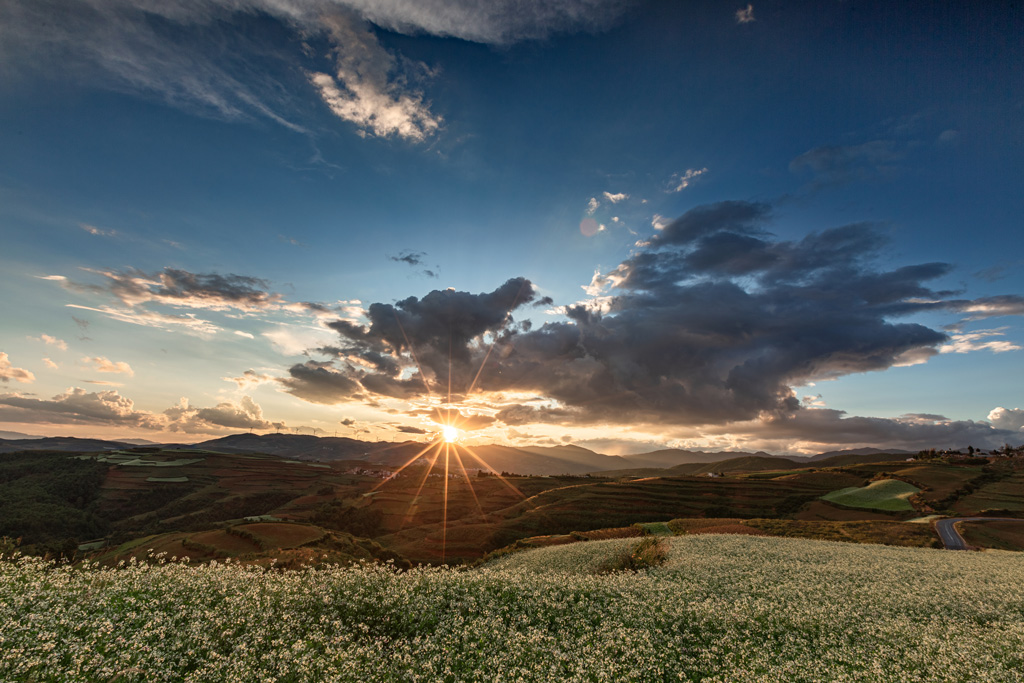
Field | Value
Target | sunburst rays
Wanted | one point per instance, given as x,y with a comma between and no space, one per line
447,443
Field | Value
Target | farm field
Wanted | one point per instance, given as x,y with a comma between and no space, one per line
994,535
1005,494
720,608
884,494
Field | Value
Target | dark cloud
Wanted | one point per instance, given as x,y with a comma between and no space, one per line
320,383
181,288
710,322
410,430
909,432
413,258
410,345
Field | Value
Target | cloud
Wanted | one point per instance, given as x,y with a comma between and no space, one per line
835,164
77,406
51,341
592,206
101,364
406,429
746,15
319,382
247,335
246,414
1007,418
616,198
189,323
292,241
296,340
250,379
93,230
183,289
712,321
9,372
990,306
680,181
50,364
979,340
812,429
413,258
408,346
497,22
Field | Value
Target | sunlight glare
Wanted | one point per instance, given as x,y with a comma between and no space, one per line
450,434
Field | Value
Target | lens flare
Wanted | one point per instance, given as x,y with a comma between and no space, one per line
450,434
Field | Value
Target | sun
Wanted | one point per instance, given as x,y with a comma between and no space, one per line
449,434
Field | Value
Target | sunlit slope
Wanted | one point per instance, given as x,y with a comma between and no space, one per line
722,608
885,494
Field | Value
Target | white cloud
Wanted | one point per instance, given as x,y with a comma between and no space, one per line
365,92
615,198
1007,418
227,415
981,340
77,406
680,181
101,364
295,340
746,15
245,334
9,372
50,364
250,379
658,222
592,206
51,341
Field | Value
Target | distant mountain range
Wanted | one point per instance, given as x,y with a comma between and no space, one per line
567,459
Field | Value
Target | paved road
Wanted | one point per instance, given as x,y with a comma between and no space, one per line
952,539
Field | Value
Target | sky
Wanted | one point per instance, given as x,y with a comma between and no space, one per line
781,226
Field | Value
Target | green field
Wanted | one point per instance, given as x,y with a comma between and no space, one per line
885,494
721,608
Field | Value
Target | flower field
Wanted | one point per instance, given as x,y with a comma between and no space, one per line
722,608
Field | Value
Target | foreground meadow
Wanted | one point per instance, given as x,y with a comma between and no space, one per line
722,608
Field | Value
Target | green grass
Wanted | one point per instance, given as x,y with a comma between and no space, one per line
886,494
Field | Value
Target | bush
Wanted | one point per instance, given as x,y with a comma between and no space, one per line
651,551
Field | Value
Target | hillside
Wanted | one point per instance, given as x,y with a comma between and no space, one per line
720,608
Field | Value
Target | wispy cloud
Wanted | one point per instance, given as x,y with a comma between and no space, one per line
745,15
102,364
189,323
979,340
9,372
680,181
250,379
592,206
93,230
616,198
50,364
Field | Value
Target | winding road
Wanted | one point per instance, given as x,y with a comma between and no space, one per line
952,539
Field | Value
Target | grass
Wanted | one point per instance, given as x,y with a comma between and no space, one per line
885,494
720,608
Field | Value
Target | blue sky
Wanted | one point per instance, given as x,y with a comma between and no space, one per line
788,226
